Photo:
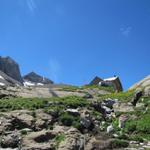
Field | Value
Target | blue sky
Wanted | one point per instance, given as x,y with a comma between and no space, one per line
71,41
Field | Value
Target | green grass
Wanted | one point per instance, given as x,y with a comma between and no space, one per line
139,128
117,143
122,96
105,88
58,139
38,103
71,89
82,88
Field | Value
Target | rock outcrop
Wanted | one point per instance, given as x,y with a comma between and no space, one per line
6,80
10,68
142,85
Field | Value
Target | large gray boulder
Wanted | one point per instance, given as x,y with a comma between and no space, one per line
10,68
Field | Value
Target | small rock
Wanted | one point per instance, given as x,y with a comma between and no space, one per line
74,112
134,142
110,102
122,121
115,135
87,96
110,129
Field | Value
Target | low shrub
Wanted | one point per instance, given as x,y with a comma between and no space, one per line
119,143
143,124
122,96
66,119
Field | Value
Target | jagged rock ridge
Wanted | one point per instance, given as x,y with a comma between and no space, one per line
10,68
35,78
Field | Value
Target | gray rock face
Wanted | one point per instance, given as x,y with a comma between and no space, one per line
35,78
136,97
10,140
143,85
6,80
10,68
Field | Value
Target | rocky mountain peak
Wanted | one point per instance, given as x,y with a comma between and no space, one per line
35,78
10,68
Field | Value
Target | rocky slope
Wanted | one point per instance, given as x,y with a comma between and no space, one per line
144,84
86,119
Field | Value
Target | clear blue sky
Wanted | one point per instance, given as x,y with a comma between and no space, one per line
71,41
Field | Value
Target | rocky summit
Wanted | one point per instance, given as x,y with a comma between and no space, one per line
36,79
37,114
10,68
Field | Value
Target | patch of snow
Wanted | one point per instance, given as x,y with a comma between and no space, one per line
1,77
110,79
41,84
28,83
72,110
2,84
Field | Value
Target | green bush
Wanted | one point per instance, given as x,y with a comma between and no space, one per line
70,120
130,126
23,132
136,138
66,119
119,143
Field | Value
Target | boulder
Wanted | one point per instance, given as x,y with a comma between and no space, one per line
73,140
41,140
109,102
86,121
136,97
104,110
5,124
73,112
22,120
43,120
11,140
